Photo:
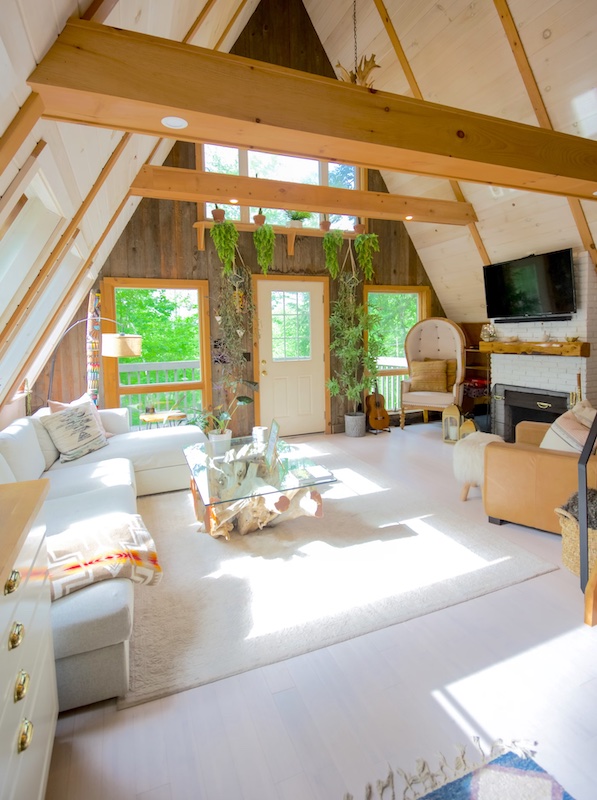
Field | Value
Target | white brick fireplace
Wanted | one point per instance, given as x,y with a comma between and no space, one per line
569,374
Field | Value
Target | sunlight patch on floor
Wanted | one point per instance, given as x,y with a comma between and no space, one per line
321,580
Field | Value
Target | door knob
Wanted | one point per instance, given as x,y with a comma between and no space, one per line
264,372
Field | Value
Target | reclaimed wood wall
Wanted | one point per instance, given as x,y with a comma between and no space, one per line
160,240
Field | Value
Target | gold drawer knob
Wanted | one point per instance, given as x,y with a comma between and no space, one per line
22,685
25,735
13,581
16,635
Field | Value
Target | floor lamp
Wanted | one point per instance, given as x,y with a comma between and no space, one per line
113,345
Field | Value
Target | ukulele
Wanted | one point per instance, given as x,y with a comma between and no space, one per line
377,416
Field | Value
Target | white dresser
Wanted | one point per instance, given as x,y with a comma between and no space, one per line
29,703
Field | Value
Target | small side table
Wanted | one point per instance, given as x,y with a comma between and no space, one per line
163,418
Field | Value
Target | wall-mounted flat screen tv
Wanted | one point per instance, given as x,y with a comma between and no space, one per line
533,288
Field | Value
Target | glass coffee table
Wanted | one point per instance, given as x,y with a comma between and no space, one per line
246,488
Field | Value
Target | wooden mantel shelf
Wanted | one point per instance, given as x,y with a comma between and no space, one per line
582,349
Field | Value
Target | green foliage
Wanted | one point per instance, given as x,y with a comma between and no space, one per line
332,242
225,236
167,319
356,367
298,214
365,244
397,312
219,417
264,239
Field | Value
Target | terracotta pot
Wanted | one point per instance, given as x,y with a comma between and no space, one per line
325,225
218,214
359,228
259,219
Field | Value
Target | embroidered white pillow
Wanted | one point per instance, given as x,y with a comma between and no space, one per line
74,431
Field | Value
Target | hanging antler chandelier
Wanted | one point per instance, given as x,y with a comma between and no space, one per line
363,68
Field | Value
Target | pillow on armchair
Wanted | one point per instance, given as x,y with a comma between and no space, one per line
428,376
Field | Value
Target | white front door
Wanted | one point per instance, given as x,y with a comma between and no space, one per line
291,353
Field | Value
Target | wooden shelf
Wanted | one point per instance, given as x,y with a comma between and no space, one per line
290,233
582,349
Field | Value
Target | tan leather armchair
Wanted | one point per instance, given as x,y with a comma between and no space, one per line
524,483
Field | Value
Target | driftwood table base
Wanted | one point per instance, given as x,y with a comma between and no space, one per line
255,512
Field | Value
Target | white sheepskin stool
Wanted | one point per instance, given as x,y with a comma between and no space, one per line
468,459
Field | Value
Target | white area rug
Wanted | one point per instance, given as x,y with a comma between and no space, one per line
379,556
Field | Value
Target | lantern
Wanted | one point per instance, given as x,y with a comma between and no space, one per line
451,419
467,427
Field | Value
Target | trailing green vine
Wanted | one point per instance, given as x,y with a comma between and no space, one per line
225,236
264,239
332,242
365,244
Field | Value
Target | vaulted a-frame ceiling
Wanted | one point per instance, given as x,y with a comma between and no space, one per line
526,63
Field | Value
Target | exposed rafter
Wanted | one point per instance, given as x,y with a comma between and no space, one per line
18,130
416,90
169,183
98,75
542,114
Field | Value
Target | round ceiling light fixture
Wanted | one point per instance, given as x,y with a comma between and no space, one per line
408,216
177,123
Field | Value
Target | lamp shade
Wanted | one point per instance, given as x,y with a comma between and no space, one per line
121,345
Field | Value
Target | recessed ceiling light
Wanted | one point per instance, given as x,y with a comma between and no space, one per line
174,122
409,216
233,200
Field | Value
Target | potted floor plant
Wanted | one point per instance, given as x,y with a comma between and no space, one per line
225,236
355,349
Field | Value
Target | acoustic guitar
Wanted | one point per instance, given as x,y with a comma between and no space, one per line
377,416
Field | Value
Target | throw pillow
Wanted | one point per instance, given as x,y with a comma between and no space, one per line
74,431
428,376
566,433
55,406
450,372
121,547
584,413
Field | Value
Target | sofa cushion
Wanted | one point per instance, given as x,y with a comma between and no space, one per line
584,413
87,477
428,376
6,474
48,448
20,447
100,616
566,433
75,431
87,508
121,547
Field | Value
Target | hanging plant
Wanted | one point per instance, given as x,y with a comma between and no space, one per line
225,236
365,244
332,242
264,239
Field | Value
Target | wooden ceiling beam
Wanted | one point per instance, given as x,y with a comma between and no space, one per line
118,79
19,129
171,183
542,114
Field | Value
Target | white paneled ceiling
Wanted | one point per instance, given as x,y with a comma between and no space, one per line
459,54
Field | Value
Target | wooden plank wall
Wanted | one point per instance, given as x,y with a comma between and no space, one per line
160,240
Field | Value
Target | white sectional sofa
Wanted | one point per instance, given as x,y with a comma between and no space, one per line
92,626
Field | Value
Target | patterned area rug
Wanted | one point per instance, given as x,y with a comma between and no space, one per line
512,775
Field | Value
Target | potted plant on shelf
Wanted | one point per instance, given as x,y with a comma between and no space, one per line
325,223
225,236
264,239
297,218
218,213
259,218
365,244
332,242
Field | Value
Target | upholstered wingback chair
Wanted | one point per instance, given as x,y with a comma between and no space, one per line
435,351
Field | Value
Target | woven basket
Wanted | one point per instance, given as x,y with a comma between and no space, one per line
571,542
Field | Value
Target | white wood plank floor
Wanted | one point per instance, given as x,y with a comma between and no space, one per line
514,664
